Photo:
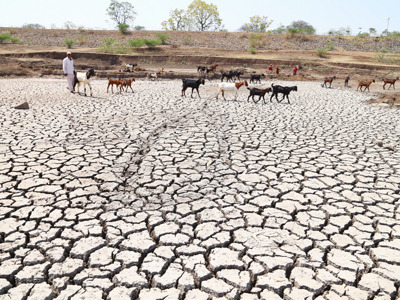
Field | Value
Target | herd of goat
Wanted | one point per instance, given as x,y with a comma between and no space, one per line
229,86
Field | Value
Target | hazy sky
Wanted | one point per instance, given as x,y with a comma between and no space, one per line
323,15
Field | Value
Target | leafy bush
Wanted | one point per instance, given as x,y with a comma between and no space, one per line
69,43
136,43
151,43
252,50
163,37
81,39
123,28
138,27
256,40
108,41
140,42
14,40
322,52
4,37
187,41
329,45
110,45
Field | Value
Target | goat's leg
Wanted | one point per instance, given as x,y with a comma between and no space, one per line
223,94
384,85
91,92
191,95
108,87
183,92
197,89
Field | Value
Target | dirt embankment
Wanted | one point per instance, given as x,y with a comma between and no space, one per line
41,51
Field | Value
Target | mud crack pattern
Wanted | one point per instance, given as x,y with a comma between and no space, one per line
153,196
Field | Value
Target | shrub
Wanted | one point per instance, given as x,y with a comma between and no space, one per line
108,41
138,27
81,39
110,45
329,45
136,43
69,43
256,41
163,37
321,52
140,42
252,50
14,40
151,43
4,37
187,41
123,28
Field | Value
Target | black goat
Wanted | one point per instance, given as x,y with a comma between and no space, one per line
285,90
256,78
201,69
192,83
228,76
258,92
346,81
237,74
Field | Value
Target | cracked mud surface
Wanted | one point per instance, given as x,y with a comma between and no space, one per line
154,196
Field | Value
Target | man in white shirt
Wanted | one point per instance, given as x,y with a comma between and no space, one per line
68,68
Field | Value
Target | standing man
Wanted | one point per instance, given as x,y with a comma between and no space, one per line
68,68
295,69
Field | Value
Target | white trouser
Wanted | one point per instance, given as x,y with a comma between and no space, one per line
70,79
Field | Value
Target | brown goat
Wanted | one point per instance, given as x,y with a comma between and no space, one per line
328,80
127,83
116,81
213,68
258,92
390,81
364,83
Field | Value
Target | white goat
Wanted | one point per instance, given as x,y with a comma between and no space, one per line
84,77
152,76
230,86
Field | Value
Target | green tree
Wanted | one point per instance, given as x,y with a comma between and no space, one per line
178,21
203,16
301,27
257,24
122,13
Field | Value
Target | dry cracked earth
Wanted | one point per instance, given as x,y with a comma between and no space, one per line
148,195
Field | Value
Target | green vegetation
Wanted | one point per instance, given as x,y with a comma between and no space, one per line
256,24
187,41
122,13
252,50
322,52
69,43
198,16
329,45
14,40
137,43
123,28
8,37
163,37
4,37
110,45
256,41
